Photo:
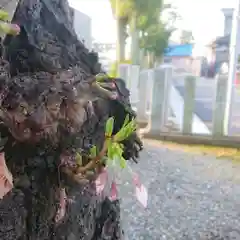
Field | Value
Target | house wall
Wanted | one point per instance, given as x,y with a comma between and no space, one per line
196,66
181,62
222,55
227,25
187,64
228,15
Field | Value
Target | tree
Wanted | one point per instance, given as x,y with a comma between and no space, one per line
186,36
144,14
154,41
128,12
53,111
154,31
143,18
120,12
171,16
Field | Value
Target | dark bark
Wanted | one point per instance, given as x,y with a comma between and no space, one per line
41,60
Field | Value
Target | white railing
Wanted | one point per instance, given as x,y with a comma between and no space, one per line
155,95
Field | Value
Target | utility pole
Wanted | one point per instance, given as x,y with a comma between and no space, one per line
233,58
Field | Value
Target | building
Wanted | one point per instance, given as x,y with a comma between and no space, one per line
219,49
228,15
180,55
83,27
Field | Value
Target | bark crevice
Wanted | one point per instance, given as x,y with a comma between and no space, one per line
48,111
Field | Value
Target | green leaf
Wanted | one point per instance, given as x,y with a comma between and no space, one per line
101,77
118,149
110,151
78,159
126,120
93,151
109,127
89,173
104,160
4,16
125,131
123,163
8,28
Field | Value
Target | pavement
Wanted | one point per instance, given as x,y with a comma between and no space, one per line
204,101
191,197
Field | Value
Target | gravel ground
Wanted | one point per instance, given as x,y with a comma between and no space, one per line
190,197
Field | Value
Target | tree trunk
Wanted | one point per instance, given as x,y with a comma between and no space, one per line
134,41
151,59
141,58
121,32
49,112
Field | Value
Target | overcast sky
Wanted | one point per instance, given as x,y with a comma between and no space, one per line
203,17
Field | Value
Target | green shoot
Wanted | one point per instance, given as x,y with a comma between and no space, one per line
78,159
101,77
93,152
125,131
126,120
4,16
109,127
113,148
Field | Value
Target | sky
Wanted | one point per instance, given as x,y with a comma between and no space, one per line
103,23
203,17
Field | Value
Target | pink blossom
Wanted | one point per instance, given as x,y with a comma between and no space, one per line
6,179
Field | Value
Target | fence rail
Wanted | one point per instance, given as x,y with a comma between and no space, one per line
169,103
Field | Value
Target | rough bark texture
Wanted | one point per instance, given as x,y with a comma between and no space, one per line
48,109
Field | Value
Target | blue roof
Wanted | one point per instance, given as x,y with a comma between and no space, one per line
181,50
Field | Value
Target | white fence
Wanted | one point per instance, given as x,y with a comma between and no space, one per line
157,100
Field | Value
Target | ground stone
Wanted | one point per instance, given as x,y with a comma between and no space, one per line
190,197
